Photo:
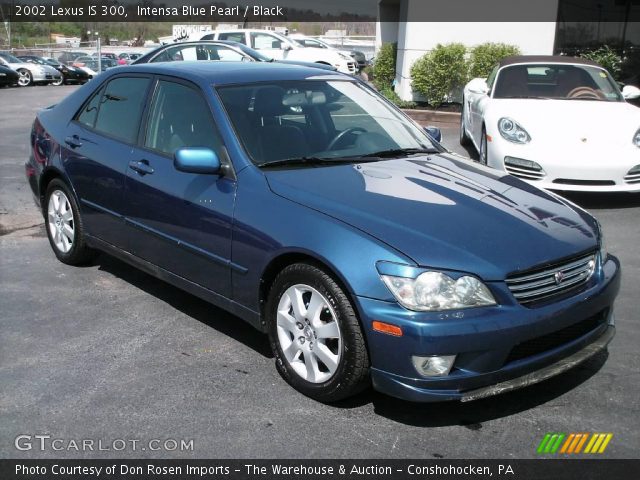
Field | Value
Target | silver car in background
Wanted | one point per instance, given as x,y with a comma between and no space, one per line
30,73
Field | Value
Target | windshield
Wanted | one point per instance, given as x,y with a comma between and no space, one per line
10,58
327,119
556,81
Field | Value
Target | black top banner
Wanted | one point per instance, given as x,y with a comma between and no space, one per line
230,11
587,469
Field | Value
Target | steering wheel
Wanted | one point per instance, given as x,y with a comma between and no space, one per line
343,134
585,92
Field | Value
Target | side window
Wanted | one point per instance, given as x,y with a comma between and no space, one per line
261,41
180,117
89,112
120,108
233,37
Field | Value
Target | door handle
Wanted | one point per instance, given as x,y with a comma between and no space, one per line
73,141
141,166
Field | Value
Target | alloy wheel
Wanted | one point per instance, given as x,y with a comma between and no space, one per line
308,333
483,148
60,221
25,78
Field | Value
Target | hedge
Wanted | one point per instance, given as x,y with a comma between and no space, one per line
484,57
439,72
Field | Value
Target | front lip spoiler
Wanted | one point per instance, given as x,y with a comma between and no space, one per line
544,373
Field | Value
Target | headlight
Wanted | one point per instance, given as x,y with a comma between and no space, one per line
511,131
435,291
636,139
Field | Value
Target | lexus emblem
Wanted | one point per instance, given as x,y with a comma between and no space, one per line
559,276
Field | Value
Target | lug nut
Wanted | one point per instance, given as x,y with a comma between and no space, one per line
299,325
301,340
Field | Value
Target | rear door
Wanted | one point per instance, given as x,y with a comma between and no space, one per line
180,221
97,151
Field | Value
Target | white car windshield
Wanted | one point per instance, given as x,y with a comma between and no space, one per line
320,119
556,81
10,58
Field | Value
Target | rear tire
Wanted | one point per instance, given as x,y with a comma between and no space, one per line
64,226
483,154
315,335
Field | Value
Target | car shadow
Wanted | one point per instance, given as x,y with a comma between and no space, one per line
470,415
190,305
473,414
603,201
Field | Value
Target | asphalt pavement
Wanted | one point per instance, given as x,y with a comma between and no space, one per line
106,352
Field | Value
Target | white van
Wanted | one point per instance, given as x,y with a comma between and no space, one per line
280,47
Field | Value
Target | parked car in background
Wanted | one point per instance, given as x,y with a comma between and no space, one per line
312,208
68,74
126,58
358,56
92,63
210,50
279,47
68,57
8,76
109,55
557,122
30,73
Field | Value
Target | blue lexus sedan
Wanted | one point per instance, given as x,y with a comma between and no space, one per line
310,207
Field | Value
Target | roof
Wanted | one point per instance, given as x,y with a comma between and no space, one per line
519,59
224,73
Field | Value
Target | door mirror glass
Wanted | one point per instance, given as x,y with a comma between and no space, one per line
629,92
196,160
478,86
434,132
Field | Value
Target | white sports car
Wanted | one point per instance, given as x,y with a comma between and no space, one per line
557,122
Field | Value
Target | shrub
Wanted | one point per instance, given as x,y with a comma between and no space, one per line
391,94
484,57
606,57
436,74
384,67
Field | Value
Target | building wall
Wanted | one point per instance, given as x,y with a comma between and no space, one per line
418,38
415,38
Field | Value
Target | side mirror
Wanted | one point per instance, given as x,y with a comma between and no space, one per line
478,86
286,47
197,160
434,132
629,92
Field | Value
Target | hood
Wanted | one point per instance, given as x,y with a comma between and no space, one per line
602,123
445,212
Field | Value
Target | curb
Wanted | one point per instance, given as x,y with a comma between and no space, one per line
422,116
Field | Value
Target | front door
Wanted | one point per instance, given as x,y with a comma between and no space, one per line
180,221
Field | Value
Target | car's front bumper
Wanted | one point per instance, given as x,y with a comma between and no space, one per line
585,168
483,340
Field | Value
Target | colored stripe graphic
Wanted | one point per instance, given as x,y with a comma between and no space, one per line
573,443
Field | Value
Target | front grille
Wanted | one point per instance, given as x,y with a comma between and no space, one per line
352,67
550,281
587,183
526,173
553,340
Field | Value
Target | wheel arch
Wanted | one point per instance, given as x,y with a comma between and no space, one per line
49,174
283,260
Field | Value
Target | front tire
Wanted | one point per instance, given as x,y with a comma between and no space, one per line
315,335
64,226
482,154
26,78
57,83
465,141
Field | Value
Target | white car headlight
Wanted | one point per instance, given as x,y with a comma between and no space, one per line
636,139
435,291
512,131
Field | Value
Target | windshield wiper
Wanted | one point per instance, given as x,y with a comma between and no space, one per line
311,161
399,152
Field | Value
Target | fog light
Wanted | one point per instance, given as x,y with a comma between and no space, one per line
433,366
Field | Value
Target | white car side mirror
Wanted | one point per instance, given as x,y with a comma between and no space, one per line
478,86
629,92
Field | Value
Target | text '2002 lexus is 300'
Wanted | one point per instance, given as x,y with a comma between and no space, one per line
309,206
